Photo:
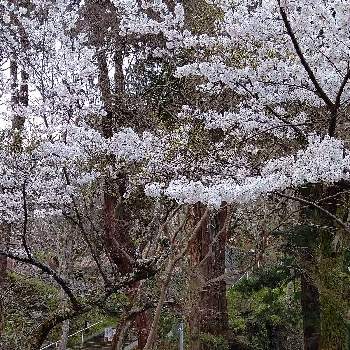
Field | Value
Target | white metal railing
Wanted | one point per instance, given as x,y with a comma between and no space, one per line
131,346
72,335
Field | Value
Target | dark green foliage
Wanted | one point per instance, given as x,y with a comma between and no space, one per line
27,301
214,342
168,332
264,309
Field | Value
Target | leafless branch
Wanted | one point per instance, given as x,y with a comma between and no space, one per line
50,272
302,58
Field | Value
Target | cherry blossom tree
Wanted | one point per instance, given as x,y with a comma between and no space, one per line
252,105
287,66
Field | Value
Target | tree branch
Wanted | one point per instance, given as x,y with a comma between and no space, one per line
325,211
303,61
333,119
342,87
46,269
25,222
167,277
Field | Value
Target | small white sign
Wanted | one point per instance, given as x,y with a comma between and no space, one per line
109,333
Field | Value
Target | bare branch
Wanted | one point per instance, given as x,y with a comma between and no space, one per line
25,222
46,269
342,87
303,61
168,273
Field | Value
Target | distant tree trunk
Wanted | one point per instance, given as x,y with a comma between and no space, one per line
310,300
208,305
19,98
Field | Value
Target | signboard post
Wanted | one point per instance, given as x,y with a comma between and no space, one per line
109,334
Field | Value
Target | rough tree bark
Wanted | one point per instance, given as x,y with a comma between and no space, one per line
208,315
333,287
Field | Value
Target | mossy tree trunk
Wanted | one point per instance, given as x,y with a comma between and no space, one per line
324,299
333,276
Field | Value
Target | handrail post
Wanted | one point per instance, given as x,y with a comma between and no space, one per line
82,339
181,336
87,326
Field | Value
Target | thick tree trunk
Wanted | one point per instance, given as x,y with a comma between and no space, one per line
310,300
310,304
208,315
322,286
18,98
116,229
116,217
333,287
142,324
6,228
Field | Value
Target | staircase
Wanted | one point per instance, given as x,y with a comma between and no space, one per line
96,343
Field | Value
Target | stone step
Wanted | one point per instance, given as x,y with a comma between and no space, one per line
98,343
94,344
